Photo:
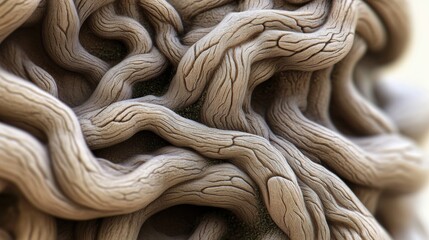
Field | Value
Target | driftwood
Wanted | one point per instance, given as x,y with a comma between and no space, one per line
208,119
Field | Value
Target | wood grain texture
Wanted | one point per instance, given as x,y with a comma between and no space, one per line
223,119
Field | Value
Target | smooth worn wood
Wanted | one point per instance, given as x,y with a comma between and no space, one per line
206,119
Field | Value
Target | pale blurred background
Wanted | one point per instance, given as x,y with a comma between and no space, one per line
413,68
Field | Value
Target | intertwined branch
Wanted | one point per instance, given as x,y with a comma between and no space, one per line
266,114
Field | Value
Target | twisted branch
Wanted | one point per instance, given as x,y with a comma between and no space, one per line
265,118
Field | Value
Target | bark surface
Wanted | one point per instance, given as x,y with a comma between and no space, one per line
207,119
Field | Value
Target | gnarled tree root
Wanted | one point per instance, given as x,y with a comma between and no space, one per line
223,119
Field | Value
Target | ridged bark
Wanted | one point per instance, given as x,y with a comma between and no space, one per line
268,120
